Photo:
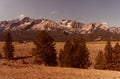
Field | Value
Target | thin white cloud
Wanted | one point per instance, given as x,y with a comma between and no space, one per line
22,16
53,12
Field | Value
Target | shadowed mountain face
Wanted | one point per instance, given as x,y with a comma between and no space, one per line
28,23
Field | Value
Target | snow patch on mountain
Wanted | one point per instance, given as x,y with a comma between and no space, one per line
28,23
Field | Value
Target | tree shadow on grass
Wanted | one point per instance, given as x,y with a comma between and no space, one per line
22,57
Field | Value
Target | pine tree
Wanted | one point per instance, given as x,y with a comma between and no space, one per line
65,55
100,61
8,47
116,57
76,54
81,54
45,52
108,54
86,54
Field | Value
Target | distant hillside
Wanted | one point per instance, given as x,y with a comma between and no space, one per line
98,35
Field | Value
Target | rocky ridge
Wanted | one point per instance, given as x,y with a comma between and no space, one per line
28,23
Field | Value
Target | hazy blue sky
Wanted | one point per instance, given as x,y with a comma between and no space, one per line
80,10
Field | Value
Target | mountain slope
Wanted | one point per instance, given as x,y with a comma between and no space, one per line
26,28
28,23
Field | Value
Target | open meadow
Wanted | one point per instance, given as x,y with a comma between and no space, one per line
26,49
15,70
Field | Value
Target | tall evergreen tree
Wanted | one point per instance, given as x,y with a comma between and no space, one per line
77,54
112,58
116,57
81,54
8,47
85,54
65,55
108,54
45,49
100,61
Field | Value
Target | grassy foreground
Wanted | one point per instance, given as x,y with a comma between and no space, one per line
42,72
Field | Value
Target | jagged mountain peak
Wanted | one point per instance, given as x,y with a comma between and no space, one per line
90,27
71,24
28,23
46,24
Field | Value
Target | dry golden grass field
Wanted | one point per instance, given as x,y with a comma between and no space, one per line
16,70
42,72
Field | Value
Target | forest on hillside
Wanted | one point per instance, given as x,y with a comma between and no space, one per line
62,36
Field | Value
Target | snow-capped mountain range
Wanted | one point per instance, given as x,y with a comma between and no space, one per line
28,23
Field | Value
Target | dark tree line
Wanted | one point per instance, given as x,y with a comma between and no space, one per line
110,59
75,53
60,35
